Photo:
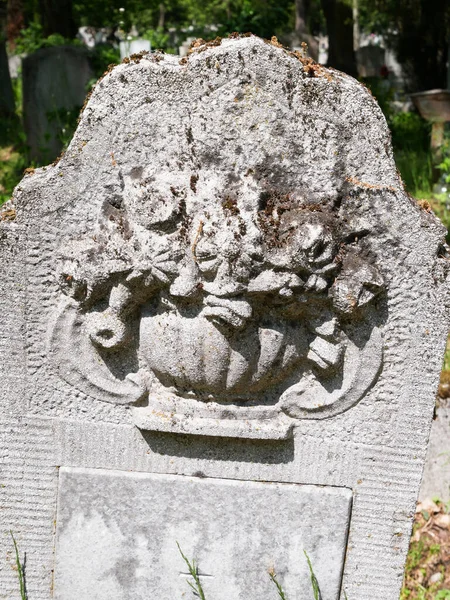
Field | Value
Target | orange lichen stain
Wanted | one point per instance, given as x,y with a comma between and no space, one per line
8,215
370,186
425,205
310,67
274,41
138,56
200,45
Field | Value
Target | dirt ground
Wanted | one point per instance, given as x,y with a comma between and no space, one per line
427,573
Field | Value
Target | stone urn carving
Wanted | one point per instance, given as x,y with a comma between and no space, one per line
240,316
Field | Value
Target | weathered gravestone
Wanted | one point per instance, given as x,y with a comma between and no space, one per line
55,84
223,321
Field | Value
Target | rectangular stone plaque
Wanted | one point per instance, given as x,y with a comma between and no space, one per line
117,535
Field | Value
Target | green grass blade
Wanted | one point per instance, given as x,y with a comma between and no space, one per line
280,590
20,571
193,571
314,582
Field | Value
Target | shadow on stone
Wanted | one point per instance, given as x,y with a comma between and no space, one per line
209,448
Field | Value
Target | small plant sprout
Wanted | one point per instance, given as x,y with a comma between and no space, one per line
193,571
20,570
314,582
273,578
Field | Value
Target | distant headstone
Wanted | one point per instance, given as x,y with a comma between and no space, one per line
15,65
184,48
55,84
130,47
223,321
436,476
370,59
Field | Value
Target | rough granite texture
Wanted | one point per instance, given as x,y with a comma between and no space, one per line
223,277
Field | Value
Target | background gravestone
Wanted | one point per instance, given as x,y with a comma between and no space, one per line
436,478
370,60
54,88
222,317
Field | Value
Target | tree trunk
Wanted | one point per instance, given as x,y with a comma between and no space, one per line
300,17
302,29
57,17
14,20
7,106
162,16
339,19
6,96
356,32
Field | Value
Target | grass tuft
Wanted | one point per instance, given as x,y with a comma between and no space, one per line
280,590
314,582
193,570
20,570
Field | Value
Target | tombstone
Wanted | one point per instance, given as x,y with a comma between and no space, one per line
223,321
370,59
185,46
55,84
129,47
436,476
15,65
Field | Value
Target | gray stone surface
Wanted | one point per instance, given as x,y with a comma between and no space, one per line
55,83
117,536
223,275
436,475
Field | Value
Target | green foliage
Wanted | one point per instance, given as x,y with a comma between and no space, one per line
409,131
416,170
66,122
20,570
444,165
13,150
411,143
12,165
101,56
410,140
262,17
159,39
382,90
32,38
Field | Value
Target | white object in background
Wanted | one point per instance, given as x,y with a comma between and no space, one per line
129,47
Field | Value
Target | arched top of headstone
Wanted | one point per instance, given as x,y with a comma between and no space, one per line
219,227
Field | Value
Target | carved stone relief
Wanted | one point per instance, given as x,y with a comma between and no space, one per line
233,315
